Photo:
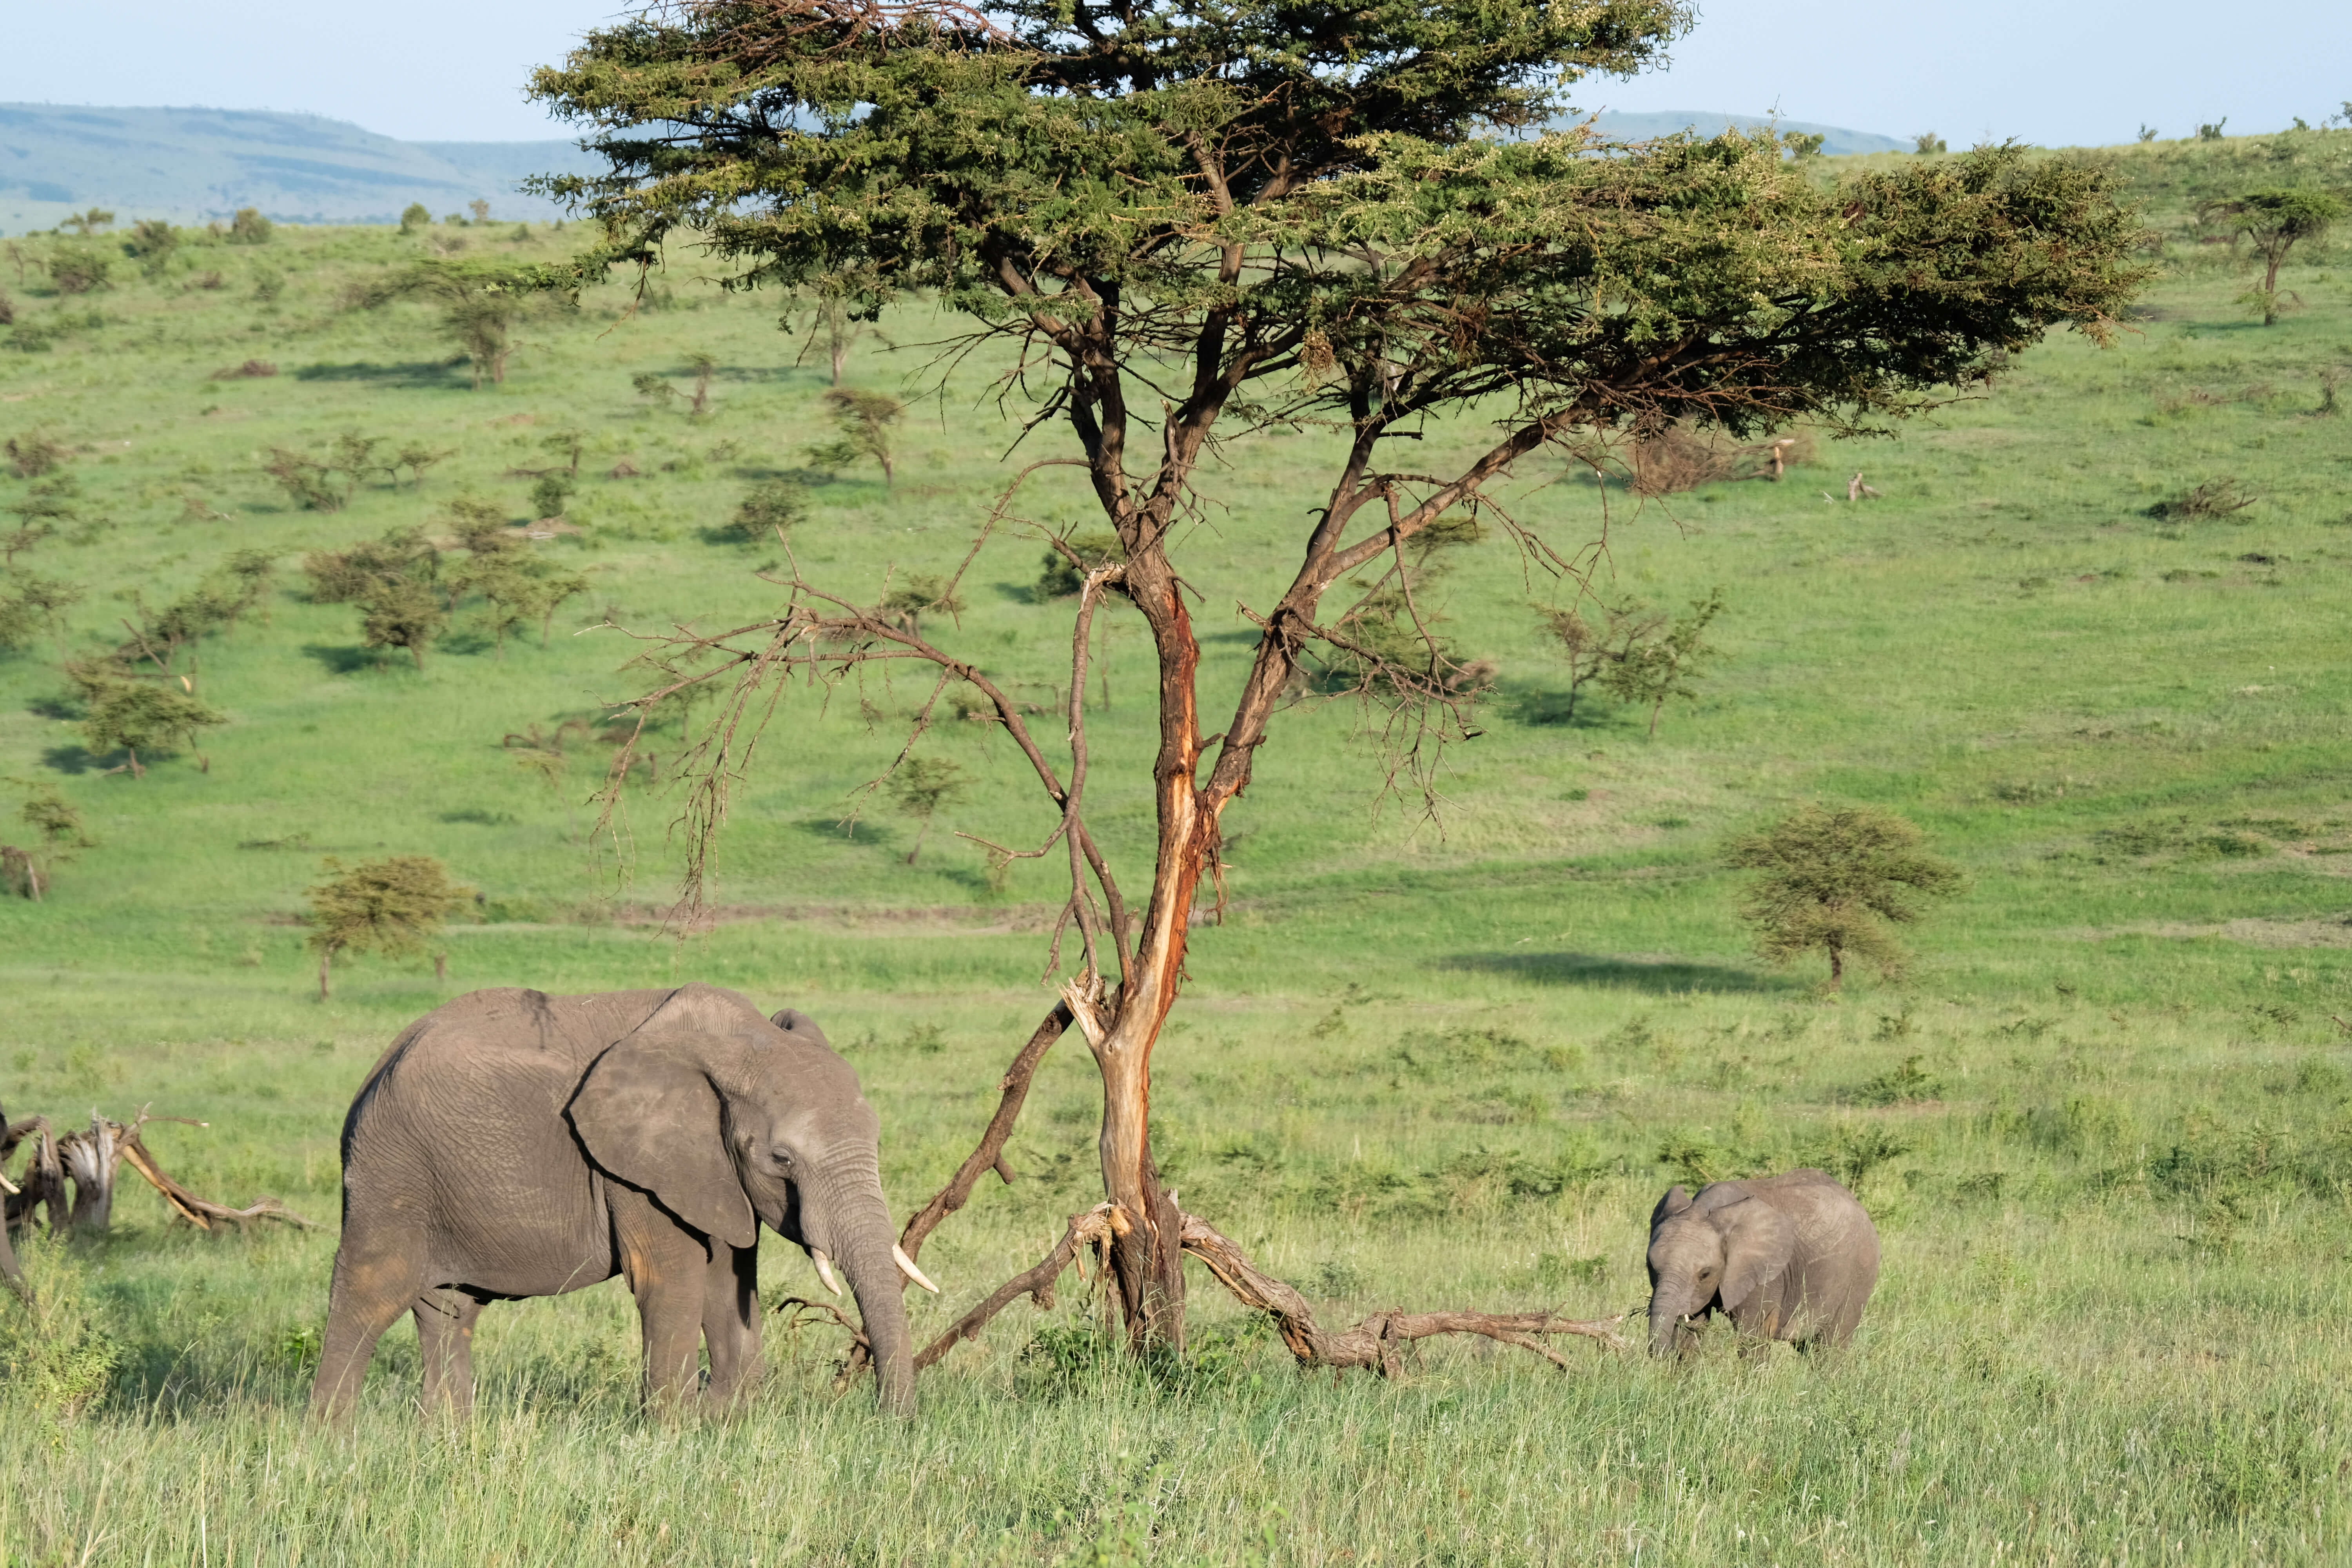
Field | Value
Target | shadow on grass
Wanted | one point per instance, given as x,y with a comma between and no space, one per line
72,760
1660,976
437,373
342,659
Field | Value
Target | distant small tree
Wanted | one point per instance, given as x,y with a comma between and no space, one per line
1654,670
129,715
403,614
249,227
413,217
394,906
57,819
151,243
2212,133
2146,133
361,571
864,422
648,385
1591,643
922,785
34,453
704,367
480,304
88,223
1834,880
769,510
1071,557
415,456
1927,141
31,602
550,494
78,271
917,594
480,209
1804,145
2274,221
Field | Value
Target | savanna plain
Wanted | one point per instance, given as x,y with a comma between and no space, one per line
2104,1123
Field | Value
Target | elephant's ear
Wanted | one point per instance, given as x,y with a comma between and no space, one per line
1677,1199
1758,1243
793,1021
650,1115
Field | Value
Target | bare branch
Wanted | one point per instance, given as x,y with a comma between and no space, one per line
989,1154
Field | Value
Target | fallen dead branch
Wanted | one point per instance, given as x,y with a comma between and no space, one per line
90,1158
1373,1343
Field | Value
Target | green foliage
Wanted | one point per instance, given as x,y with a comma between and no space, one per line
75,270
770,510
2212,133
413,217
2274,221
326,483
392,906
57,1355
356,571
479,304
57,819
30,602
1833,880
1927,142
1650,664
918,594
249,227
34,453
131,714
1938,265
88,223
406,614
1062,576
550,493
920,787
862,422
151,244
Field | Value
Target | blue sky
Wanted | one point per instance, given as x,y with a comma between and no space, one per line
2055,72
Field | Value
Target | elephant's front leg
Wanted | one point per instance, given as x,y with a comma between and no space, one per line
731,1322
666,1265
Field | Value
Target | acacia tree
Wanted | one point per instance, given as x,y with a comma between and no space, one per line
1187,222
2274,221
1834,881
394,906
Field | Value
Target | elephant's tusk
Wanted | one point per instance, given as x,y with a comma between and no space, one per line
907,1267
825,1269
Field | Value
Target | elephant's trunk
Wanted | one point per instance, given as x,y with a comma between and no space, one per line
864,1235
1670,1303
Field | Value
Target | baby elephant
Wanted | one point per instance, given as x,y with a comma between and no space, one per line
1790,1256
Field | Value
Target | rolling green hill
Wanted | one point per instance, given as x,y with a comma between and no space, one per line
208,162
1448,1059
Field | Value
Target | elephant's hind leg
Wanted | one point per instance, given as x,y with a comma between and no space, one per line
666,1265
377,1277
444,1336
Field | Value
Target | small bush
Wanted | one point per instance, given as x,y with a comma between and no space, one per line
2214,497
413,217
78,271
1907,1083
769,510
1062,576
248,227
34,453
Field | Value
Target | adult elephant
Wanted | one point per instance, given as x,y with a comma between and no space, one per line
513,1143
1793,1256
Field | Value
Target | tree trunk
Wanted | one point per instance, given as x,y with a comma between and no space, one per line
840,351
416,652
326,958
90,1160
1837,967
921,833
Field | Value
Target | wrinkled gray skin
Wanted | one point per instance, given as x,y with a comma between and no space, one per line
1790,1256
513,1143
11,1273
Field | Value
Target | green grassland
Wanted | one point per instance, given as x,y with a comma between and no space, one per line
2105,1123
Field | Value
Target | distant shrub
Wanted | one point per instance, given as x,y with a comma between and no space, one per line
1093,548
150,244
2212,133
356,572
864,421
249,227
771,509
1927,142
1905,1083
480,209
1803,145
1834,881
392,906
550,495
2214,497
34,453
78,271
250,369
129,715
413,217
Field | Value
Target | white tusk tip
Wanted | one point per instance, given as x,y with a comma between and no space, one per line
825,1269
907,1267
